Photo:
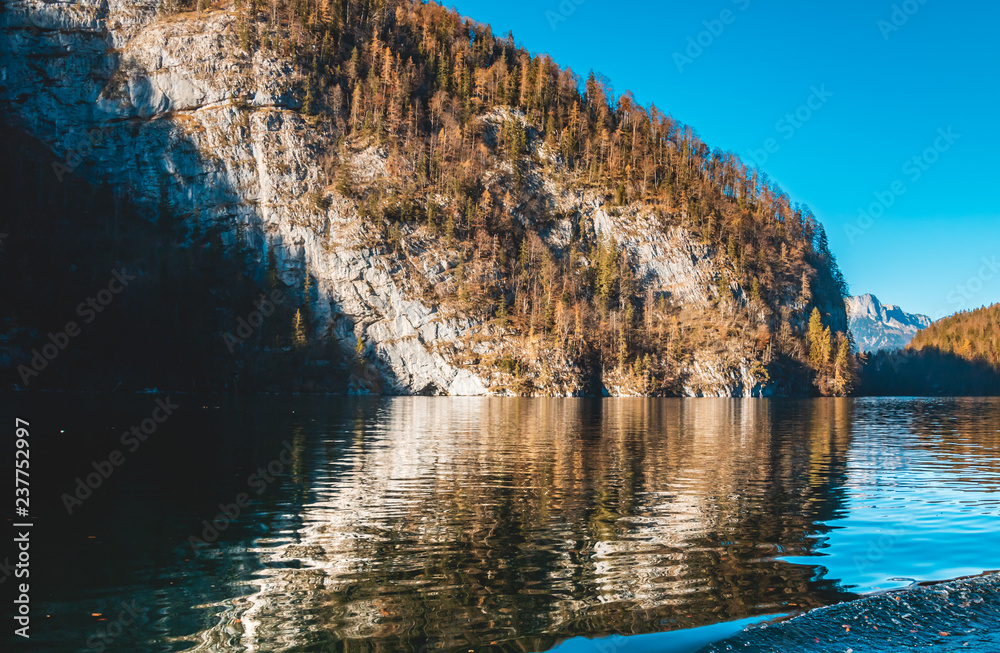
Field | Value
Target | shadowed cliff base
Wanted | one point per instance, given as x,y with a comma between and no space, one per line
99,296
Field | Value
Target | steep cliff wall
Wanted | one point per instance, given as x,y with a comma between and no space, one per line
173,114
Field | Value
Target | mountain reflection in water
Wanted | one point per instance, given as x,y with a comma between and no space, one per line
452,524
462,523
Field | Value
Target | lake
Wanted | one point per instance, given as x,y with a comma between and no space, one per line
469,524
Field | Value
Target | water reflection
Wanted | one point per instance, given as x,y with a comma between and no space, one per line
922,480
469,523
412,524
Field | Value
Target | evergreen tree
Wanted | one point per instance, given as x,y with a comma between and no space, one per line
607,271
844,372
501,314
359,350
755,295
298,330
345,177
826,349
816,353
307,293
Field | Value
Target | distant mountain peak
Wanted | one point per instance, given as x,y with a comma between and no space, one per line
879,326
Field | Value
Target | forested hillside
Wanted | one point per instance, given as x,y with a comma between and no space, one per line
417,78
958,355
518,176
971,335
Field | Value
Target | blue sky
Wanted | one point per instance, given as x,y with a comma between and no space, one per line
887,81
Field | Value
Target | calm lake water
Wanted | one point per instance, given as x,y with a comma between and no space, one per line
452,524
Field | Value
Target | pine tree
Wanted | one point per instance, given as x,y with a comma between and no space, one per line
805,292
345,177
826,349
755,295
298,330
607,271
501,313
843,374
550,132
449,229
816,359
307,299
309,100
514,138
725,287
359,350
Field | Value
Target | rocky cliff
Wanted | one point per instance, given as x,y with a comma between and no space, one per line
878,326
173,114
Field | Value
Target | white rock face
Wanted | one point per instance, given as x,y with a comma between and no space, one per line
170,111
182,117
668,260
879,326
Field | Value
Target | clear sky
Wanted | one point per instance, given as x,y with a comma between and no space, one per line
883,77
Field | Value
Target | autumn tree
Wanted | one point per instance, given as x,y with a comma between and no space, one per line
298,330
844,368
818,349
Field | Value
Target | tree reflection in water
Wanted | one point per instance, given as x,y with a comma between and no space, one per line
458,524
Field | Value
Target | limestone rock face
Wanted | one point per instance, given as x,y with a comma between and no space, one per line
171,112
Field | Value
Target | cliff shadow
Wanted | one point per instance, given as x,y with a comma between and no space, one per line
111,288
